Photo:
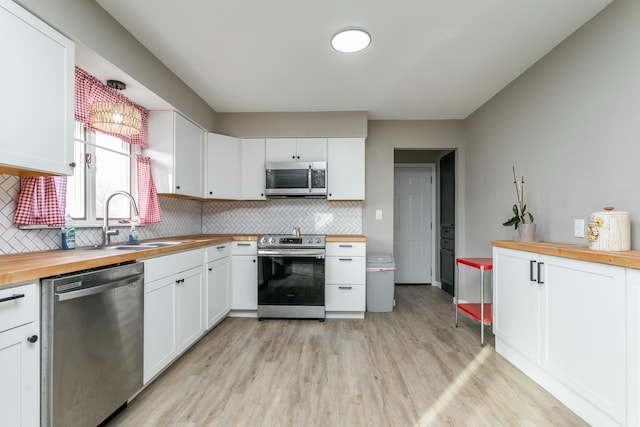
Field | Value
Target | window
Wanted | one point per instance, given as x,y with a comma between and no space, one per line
104,165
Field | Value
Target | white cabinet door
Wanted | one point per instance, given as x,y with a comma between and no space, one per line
345,298
296,149
244,282
345,270
253,171
160,346
218,274
517,302
189,140
585,329
38,83
345,169
190,307
223,167
633,346
311,149
176,147
280,150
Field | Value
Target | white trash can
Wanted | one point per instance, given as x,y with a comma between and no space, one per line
380,282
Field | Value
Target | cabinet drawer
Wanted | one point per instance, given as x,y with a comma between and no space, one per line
346,249
448,233
217,252
166,265
447,244
244,248
345,298
20,306
345,270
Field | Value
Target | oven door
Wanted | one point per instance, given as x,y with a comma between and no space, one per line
291,277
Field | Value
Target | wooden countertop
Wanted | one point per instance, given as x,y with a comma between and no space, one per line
345,238
16,268
629,259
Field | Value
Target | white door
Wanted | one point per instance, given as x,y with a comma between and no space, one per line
412,228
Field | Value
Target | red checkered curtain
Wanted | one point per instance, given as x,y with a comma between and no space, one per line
89,90
148,204
42,201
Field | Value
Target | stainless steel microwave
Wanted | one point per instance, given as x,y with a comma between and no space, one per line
296,179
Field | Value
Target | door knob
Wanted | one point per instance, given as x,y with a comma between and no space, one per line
32,338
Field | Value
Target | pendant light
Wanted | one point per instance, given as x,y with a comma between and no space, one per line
116,117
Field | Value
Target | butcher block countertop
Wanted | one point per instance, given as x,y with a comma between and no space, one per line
16,268
629,259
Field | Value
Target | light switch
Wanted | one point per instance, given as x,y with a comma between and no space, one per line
378,213
578,228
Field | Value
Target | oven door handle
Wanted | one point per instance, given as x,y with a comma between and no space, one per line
292,252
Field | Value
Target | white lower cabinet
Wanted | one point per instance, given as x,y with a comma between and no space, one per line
244,276
563,322
345,279
218,275
173,308
20,355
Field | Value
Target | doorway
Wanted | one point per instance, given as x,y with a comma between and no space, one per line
413,213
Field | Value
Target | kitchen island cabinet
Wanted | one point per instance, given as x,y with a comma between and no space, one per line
564,322
173,308
38,83
345,169
20,355
176,147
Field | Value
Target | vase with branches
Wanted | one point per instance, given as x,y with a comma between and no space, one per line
520,213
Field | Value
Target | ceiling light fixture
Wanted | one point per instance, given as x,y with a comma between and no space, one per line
116,117
350,40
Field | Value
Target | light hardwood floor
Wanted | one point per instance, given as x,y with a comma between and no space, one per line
411,367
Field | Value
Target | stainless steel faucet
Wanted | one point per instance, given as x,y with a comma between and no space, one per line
106,231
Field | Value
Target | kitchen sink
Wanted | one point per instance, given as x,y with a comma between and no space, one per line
141,246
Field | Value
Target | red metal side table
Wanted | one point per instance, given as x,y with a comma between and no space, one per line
480,311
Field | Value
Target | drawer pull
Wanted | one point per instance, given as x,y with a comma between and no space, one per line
243,244
345,246
345,287
221,247
12,297
531,264
539,274
345,259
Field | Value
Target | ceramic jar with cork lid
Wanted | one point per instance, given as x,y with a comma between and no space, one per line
609,230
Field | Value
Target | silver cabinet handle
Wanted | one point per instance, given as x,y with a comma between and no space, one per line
345,259
345,287
12,297
345,246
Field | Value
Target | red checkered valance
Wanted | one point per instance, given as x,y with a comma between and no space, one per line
89,90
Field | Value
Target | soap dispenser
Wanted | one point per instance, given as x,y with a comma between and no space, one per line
133,234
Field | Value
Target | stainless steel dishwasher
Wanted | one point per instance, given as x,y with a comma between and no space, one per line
92,343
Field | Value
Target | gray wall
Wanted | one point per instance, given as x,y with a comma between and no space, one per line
86,22
311,124
571,126
383,138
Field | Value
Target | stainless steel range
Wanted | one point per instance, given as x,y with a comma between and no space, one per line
291,276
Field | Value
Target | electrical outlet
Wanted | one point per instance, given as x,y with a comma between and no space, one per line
578,228
378,213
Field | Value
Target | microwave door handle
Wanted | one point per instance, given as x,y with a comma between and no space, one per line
309,179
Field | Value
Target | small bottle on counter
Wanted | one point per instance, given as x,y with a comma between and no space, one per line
133,234
68,233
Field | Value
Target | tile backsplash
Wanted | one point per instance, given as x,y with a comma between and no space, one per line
184,217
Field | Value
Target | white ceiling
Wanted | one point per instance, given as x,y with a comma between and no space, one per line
428,59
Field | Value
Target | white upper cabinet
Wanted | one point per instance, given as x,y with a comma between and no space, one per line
223,167
296,150
253,171
176,151
37,100
345,169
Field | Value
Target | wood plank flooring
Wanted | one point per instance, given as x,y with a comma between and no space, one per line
411,367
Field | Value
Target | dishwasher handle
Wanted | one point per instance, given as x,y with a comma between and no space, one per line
98,289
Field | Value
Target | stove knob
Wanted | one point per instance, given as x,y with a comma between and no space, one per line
318,241
309,240
263,240
272,240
